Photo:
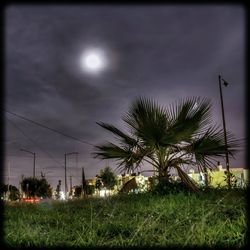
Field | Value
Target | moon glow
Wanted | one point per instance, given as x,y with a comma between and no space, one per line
93,61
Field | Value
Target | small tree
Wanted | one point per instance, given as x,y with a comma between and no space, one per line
36,187
78,191
108,178
58,190
98,184
89,189
14,193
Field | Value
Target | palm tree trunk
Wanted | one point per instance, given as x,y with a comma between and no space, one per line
206,176
163,175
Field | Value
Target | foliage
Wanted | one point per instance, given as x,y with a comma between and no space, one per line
89,189
14,192
108,178
167,187
3,188
58,190
233,179
98,184
36,187
78,191
168,138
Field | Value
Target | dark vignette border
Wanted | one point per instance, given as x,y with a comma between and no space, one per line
2,91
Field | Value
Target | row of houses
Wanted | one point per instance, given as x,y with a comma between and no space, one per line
218,178
139,183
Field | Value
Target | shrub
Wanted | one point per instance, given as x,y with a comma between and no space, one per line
167,187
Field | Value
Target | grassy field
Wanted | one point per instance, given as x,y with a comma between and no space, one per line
211,219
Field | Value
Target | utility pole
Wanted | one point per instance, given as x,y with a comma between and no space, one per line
224,129
70,179
65,166
8,180
65,170
83,182
34,161
22,177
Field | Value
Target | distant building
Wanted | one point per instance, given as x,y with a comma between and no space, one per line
218,178
142,184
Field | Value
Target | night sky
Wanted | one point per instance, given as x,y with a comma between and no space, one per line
164,52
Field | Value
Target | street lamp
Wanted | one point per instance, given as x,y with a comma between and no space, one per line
224,128
65,158
34,160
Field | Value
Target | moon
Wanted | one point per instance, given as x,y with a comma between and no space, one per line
93,60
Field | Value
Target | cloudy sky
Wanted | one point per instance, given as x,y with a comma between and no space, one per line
165,52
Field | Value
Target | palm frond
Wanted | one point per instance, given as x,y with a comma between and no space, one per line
110,151
124,138
188,117
126,157
147,121
187,180
211,145
181,134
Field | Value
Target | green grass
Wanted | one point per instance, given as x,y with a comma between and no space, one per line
210,219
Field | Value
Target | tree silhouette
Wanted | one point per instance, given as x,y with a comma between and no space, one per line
108,178
36,187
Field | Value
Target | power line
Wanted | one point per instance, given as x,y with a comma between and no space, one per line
32,141
51,129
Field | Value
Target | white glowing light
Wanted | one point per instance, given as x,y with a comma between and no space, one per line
93,60
102,192
62,195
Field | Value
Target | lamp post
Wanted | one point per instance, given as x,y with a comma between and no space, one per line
65,166
224,128
34,160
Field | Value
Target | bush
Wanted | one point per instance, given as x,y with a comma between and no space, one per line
14,193
89,189
36,187
166,187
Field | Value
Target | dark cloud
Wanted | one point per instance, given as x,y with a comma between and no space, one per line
165,52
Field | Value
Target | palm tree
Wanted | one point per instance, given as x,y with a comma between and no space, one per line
168,138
